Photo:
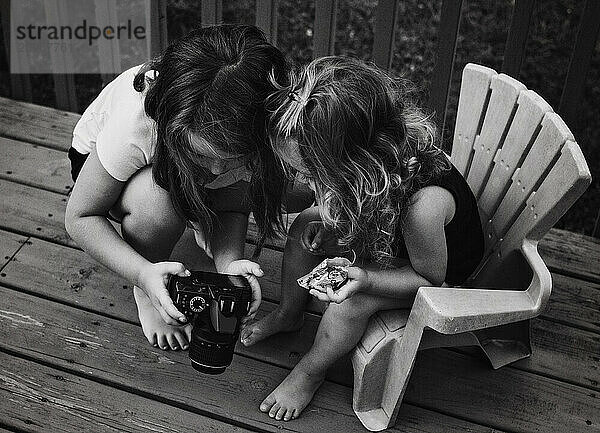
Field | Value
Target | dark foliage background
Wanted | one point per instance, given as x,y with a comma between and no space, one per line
483,32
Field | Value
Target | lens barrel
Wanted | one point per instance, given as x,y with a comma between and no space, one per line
211,352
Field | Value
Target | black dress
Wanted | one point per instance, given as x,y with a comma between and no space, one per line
464,236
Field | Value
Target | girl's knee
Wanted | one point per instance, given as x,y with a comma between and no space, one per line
350,309
306,216
144,205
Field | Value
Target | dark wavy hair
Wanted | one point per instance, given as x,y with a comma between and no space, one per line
365,144
212,84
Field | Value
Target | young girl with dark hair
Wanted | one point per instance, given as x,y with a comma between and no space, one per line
178,140
385,194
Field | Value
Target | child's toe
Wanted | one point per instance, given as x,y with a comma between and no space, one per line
162,342
173,344
181,340
151,337
188,331
267,403
288,414
274,410
280,413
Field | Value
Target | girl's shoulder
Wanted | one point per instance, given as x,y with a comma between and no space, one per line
431,204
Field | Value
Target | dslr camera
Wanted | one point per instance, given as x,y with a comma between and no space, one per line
214,304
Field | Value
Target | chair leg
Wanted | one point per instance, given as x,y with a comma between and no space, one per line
382,364
505,344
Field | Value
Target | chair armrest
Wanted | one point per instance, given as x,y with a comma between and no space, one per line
455,310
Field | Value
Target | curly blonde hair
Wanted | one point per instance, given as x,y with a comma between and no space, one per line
364,143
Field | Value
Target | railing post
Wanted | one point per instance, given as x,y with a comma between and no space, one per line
570,100
109,54
324,31
386,16
64,84
442,71
517,37
156,21
20,84
212,12
266,18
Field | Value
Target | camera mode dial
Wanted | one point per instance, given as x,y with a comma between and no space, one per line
197,304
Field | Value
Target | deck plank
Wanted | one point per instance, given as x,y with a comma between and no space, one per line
505,398
111,351
36,124
9,244
575,302
25,209
36,166
572,254
37,398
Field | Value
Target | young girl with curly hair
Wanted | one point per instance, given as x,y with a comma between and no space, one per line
385,193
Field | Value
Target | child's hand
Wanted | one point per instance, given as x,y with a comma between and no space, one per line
251,271
316,239
153,281
358,281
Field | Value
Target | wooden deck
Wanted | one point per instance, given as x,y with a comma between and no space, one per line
74,359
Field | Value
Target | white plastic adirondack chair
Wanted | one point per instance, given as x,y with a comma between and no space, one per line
526,170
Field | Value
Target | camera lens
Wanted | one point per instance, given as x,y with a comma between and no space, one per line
210,351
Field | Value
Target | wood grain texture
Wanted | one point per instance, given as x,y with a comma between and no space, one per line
575,302
36,124
25,209
9,245
572,254
33,165
113,352
37,398
509,400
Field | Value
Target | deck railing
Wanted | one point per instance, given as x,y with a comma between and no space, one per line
386,13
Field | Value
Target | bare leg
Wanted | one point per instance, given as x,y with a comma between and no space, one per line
289,315
340,330
151,226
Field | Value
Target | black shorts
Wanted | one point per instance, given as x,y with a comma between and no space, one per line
77,159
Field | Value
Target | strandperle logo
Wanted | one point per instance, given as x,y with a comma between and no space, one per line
83,32
78,36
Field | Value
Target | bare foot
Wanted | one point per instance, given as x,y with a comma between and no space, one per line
154,327
274,322
292,395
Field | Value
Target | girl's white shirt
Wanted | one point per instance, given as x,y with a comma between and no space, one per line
116,125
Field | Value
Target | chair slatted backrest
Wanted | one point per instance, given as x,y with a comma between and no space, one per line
519,158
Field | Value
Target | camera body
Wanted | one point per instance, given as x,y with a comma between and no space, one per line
214,304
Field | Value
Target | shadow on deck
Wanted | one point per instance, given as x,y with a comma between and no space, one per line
74,357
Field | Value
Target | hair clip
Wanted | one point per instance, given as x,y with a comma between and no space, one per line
293,95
